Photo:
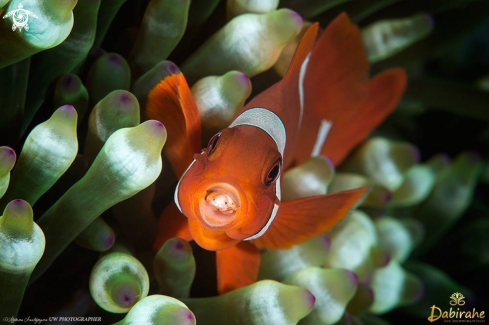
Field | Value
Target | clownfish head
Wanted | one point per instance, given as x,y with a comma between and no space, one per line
231,191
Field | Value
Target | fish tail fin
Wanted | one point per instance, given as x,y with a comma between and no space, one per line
384,92
337,87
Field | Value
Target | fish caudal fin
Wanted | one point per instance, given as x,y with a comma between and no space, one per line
301,219
172,103
337,87
172,223
384,92
237,267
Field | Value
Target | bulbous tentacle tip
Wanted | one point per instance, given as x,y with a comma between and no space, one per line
430,21
66,109
186,317
287,22
115,58
326,240
18,217
7,159
353,276
297,17
172,67
243,76
18,207
109,241
125,97
118,281
96,52
156,127
177,248
69,82
311,298
235,86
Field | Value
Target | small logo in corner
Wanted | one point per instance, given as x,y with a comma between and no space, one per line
20,17
457,316
457,299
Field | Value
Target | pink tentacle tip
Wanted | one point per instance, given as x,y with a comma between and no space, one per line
67,109
297,17
158,124
179,246
157,127
243,78
70,81
8,151
416,154
109,241
125,98
327,241
371,292
96,52
388,196
186,316
115,58
310,299
353,276
172,68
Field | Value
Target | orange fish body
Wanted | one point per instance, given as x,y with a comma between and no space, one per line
231,192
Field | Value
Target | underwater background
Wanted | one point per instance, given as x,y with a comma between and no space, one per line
83,181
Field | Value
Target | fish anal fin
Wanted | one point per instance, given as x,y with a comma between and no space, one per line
237,267
172,103
301,219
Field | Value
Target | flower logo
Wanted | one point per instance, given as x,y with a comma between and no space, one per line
20,17
457,299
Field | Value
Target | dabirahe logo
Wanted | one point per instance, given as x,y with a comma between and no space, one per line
456,316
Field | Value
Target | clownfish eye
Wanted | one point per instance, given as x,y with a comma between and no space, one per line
273,173
213,143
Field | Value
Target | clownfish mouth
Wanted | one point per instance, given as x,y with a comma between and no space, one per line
220,205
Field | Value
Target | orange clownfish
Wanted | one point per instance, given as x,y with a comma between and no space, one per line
230,192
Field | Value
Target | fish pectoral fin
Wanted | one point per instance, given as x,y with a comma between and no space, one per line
172,103
301,219
237,266
172,223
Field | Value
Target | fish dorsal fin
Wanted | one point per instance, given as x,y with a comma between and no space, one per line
287,87
172,103
292,76
301,219
293,80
